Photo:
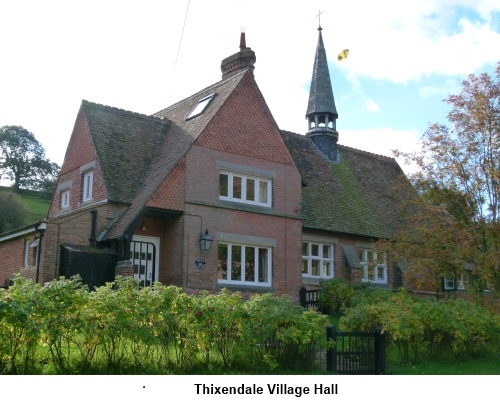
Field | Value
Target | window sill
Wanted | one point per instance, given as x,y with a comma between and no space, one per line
243,287
314,280
240,206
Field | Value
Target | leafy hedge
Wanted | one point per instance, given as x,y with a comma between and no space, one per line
61,328
418,328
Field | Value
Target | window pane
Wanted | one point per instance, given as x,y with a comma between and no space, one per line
380,273
263,265
361,253
370,256
327,251
224,185
237,187
250,189
263,192
304,249
304,266
327,269
371,273
249,263
236,262
314,250
222,261
315,267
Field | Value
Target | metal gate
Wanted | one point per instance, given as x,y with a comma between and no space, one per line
93,265
143,257
356,352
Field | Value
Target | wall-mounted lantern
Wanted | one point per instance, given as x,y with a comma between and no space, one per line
205,241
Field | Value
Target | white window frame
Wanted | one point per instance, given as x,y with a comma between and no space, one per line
245,198
36,245
65,199
200,106
229,250
324,262
366,264
88,179
27,245
460,281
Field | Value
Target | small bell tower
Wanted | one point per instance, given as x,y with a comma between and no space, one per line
321,112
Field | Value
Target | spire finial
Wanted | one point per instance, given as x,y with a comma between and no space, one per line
319,20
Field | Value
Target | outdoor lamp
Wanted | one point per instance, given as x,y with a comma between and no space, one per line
205,241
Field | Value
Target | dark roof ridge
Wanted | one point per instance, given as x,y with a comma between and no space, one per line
377,155
121,110
213,85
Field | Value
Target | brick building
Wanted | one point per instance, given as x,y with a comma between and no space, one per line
209,193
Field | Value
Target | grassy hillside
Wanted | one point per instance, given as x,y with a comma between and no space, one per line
36,203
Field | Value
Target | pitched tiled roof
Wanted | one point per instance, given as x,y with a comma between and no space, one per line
166,150
125,143
354,196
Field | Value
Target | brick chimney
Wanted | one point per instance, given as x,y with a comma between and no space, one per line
242,60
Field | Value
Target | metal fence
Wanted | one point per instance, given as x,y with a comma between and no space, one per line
356,352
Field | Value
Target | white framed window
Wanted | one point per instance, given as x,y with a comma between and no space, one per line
27,245
462,280
200,107
244,264
374,266
35,245
245,189
459,282
449,282
65,199
87,186
317,260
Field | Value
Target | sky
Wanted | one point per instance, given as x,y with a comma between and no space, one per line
405,58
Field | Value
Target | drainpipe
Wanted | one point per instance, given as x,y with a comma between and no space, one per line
93,228
41,227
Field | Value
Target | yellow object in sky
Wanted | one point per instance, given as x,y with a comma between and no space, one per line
343,54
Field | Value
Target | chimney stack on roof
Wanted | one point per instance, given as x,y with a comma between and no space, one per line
242,60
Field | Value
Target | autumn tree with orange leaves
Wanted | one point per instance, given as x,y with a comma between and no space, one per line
454,225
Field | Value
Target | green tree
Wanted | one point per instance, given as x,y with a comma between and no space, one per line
23,161
12,211
457,223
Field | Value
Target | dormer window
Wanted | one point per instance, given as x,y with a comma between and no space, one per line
200,107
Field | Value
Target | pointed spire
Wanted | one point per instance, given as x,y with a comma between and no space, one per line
321,93
321,112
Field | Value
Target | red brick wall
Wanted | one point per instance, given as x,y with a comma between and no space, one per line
73,228
12,257
341,269
80,152
244,126
170,194
244,136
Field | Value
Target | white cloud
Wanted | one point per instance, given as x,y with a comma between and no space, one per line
383,141
372,106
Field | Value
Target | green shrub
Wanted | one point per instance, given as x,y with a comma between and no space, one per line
281,335
20,330
336,295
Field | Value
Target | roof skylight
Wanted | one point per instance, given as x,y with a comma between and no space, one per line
200,107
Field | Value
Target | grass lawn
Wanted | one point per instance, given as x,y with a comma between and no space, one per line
36,204
483,366
36,208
